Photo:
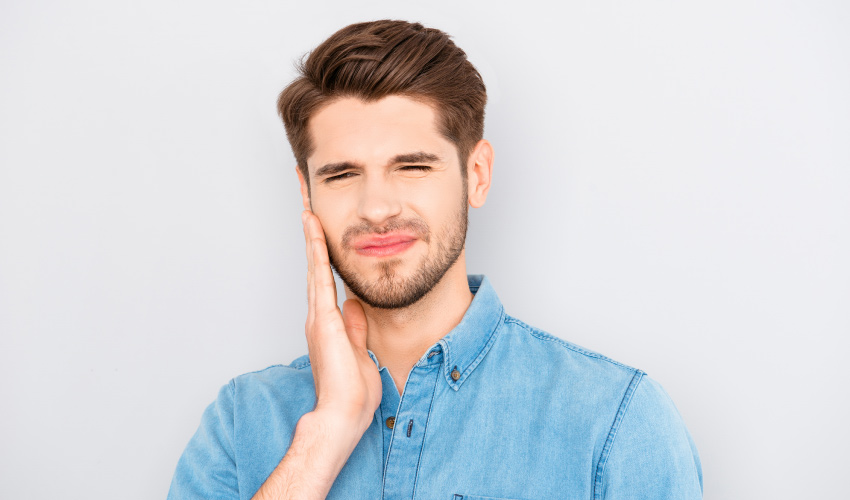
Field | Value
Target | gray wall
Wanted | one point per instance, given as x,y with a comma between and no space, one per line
672,189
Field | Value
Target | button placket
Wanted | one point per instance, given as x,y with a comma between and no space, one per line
386,413
405,450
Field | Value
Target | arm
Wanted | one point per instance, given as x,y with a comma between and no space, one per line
348,386
652,455
318,451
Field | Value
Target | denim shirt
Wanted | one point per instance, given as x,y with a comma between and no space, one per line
494,410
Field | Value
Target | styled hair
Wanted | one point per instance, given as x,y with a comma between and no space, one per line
377,59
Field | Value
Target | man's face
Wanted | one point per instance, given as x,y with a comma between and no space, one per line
391,196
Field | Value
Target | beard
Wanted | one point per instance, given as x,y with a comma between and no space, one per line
389,290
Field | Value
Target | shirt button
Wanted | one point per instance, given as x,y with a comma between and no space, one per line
455,374
390,422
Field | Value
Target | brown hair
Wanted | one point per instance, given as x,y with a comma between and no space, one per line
376,59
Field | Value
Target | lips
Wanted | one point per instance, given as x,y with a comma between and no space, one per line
383,245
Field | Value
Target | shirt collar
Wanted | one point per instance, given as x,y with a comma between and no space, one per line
466,345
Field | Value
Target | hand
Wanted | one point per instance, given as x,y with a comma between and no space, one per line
348,385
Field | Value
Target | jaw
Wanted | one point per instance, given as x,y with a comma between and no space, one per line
451,290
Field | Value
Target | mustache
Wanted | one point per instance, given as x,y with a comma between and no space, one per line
416,226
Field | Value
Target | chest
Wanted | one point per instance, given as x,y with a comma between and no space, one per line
475,443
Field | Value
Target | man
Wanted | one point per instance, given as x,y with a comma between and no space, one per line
422,386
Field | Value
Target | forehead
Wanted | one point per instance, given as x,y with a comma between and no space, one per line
350,129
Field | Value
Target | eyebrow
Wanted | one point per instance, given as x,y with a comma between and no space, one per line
416,157
335,168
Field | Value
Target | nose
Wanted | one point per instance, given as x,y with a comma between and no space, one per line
379,200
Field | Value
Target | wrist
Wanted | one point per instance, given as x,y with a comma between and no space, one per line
331,431
343,417
321,445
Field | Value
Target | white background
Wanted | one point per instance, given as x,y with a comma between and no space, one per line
672,189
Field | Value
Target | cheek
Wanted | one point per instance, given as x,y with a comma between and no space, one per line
333,220
438,202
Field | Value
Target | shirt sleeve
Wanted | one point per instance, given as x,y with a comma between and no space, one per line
207,469
652,455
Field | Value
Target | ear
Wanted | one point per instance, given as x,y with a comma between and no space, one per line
305,189
479,168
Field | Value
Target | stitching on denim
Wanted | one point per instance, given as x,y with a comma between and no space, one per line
264,369
447,360
389,452
232,386
612,434
392,440
301,365
484,350
540,334
424,435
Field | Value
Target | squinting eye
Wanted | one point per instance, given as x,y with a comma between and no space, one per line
421,168
339,177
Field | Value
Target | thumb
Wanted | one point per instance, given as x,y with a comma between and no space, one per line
355,323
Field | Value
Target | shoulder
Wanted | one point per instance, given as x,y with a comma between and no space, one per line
525,341
587,386
643,448
588,374
295,370
289,386
649,451
253,416
649,417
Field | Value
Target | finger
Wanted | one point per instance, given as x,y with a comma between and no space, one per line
355,323
323,280
322,285
311,289
308,237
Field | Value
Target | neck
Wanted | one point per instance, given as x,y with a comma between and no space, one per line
399,337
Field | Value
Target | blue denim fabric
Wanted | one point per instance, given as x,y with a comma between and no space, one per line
530,416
